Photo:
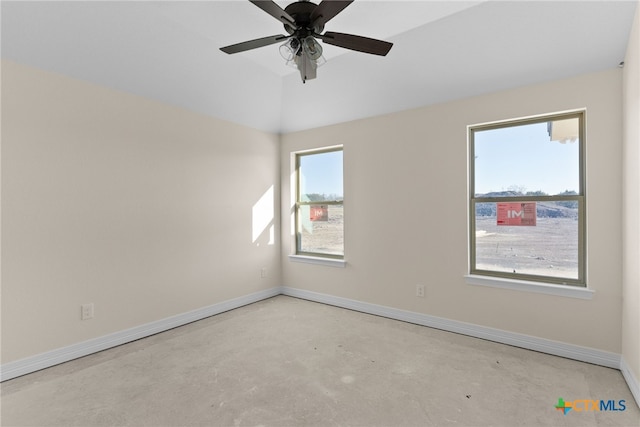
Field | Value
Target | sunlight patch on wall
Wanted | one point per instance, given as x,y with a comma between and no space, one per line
263,216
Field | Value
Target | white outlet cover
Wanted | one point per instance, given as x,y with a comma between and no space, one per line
86,311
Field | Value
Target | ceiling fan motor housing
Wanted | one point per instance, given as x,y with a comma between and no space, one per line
301,12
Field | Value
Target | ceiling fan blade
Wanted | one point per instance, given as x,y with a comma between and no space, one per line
358,43
253,44
276,11
326,10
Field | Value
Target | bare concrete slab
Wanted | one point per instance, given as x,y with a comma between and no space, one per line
290,362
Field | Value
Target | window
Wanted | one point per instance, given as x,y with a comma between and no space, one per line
527,199
319,211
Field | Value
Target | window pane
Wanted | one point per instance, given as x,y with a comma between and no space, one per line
529,159
321,177
548,248
321,229
319,215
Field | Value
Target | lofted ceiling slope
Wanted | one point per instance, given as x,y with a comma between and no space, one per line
443,50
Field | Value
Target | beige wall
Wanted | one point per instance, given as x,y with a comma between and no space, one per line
631,203
148,211
406,213
143,209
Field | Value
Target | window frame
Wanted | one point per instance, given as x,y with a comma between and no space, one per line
580,198
299,253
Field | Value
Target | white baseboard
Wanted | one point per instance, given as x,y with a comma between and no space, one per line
631,380
45,360
583,354
556,348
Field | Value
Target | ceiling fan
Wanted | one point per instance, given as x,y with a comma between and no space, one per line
304,22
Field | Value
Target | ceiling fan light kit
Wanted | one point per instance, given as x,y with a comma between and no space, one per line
289,49
304,22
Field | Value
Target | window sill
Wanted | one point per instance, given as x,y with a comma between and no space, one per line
331,262
527,286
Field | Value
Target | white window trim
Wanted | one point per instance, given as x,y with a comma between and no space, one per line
528,286
577,291
293,186
331,262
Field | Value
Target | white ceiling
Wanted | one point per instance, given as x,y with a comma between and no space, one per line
443,50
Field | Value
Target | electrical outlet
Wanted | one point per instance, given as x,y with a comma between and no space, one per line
263,272
420,291
86,311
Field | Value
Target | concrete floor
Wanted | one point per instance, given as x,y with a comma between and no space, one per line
290,362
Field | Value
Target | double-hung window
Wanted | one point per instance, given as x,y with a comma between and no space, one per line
319,210
527,199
